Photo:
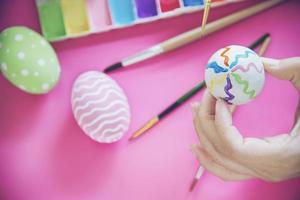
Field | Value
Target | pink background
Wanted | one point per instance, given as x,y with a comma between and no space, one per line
45,155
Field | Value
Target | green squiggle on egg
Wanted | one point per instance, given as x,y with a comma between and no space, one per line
246,90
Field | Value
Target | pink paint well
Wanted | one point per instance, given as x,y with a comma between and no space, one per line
98,14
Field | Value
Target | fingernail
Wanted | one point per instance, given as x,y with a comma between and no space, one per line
270,62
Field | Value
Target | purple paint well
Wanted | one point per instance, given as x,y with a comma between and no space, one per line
146,8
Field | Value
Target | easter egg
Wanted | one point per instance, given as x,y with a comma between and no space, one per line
28,61
100,107
235,74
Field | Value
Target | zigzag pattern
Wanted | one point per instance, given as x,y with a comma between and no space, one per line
100,107
217,68
246,90
226,58
214,82
239,56
226,89
247,68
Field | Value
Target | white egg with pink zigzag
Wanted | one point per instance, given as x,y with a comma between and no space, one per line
100,107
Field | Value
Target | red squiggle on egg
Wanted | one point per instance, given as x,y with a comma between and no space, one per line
226,58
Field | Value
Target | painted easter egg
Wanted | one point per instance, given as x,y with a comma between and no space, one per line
28,61
235,73
100,107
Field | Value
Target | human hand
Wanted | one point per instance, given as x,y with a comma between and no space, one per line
225,153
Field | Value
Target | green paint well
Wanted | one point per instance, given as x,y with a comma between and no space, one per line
51,19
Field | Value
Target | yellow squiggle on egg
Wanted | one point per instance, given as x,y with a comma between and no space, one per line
215,82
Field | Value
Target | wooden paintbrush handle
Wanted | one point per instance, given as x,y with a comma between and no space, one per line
212,27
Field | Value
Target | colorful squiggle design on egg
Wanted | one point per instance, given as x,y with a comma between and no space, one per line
246,54
235,73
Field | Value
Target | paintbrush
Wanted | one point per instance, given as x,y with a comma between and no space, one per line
184,98
263,48
205,15
192,35
168,110
196,178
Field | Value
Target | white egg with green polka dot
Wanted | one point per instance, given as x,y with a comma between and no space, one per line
28,61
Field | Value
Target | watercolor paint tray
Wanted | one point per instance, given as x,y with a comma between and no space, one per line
63,19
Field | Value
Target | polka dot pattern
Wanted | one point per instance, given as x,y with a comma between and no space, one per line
4,66
24,72
21,55
28,61
19,37
41,62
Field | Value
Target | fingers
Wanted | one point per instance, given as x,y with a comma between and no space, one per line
208,104
213,145
232,108
281,139
195,106
223,122
297,113
283,69
236,145
296,129
204,121
216,169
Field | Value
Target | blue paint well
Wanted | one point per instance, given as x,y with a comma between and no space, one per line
192,2
122,11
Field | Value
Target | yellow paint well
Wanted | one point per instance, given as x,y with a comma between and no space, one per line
75,16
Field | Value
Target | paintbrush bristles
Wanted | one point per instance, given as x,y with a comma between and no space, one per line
196,178
205,15
146,127
193,184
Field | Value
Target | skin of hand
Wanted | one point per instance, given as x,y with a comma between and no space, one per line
225,153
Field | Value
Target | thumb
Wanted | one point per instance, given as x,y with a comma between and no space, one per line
282,69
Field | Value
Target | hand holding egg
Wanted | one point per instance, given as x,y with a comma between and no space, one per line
224,152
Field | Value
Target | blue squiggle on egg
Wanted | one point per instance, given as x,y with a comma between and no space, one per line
238,56
217,68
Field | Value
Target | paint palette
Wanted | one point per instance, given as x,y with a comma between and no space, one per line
62,19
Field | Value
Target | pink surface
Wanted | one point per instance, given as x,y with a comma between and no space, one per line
45,155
